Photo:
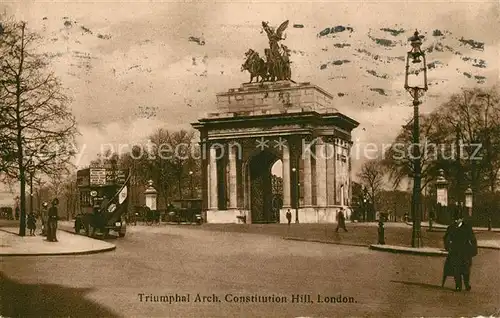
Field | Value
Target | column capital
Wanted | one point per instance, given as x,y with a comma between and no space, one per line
318,140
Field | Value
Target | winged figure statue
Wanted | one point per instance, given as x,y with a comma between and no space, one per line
277,64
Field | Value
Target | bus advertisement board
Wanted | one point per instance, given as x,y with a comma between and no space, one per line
97,176
100,177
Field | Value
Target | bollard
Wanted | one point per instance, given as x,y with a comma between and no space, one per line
381,239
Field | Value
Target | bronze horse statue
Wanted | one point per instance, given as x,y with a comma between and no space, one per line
276,67
256,66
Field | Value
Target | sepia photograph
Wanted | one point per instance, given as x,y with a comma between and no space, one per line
301,159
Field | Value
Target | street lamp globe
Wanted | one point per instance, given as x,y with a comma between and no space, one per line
190,172
416,42
416,55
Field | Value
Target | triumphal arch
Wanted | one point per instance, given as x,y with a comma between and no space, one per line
258,124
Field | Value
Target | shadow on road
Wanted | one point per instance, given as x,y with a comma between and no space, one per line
46,300
430,286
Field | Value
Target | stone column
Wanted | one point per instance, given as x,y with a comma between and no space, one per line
320,174
349,176
213,200
342,192
286,177
233,185
330,177
336,168
307,186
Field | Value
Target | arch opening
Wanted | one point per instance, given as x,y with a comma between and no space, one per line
265,187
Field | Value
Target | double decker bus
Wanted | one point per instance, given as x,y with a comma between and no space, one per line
104,201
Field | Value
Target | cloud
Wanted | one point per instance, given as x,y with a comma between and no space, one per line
148,75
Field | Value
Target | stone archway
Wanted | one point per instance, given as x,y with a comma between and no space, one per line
254,126
260,187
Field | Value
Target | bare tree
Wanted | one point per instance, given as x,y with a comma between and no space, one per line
167,160
70,195
399,159
175,155
135,163
472,118
184,157
39,127
372,177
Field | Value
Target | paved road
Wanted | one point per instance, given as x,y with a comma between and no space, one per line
177,260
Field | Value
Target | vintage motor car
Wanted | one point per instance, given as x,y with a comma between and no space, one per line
185,211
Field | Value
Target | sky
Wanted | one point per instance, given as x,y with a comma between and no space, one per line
130,68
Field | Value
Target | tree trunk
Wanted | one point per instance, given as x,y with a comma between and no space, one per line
179,184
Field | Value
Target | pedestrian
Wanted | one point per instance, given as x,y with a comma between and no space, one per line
17,212
461,244
53,215
45,217
96,220
341,221
32,223
289,217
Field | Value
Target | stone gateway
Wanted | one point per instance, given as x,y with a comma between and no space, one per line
259,124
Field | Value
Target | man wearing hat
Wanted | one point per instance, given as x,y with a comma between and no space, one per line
461,244
52,221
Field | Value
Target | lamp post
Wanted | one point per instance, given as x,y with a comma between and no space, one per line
191,184
365,203
468,200
297,185
418,57
441,196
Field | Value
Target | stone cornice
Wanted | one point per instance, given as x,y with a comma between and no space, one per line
273,87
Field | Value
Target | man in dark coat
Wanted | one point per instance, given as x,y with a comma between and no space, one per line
289,217
341,220
461,244
53,216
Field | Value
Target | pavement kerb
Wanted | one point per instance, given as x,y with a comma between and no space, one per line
489,247
62,253
87,252
388,248
444,227
409,250
324,241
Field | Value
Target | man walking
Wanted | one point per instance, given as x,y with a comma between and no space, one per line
461,244
52,221
289,216
341,220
